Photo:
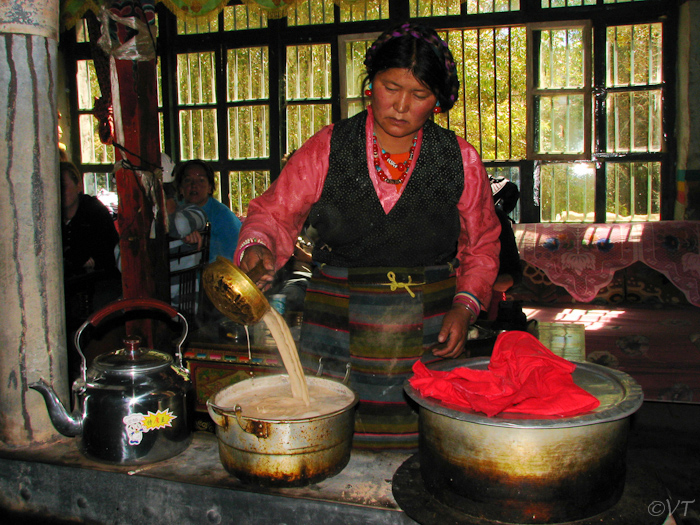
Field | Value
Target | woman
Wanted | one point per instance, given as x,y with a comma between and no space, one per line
408,238
195,182
88,231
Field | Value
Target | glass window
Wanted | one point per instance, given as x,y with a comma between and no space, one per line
248,121
245,186
561,102
633,82
197,26
426,8
566,3
491,6
567,191
241,16
633,191
196,89
308,92
491,110
353,49
352,11
311,12
92,150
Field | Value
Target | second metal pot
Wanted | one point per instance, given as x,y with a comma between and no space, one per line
289,453
518,469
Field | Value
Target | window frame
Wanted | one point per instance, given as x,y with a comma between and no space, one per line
277,36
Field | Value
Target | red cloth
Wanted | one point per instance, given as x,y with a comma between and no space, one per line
524,377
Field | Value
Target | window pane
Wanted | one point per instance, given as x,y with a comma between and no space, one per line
355,70
248,70
195,78
491,6
567,192
248,132
633,191
242,17
566,3
308,72
98,183
92,151
308,78
305,120
311,12
82,34
352,11
634,121
560,124
88,87
197,25
198,134
634,55
491,110
245,186
561,59
425,8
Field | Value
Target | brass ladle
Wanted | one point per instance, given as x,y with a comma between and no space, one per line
233,292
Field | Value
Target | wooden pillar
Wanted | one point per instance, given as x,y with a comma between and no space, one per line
32,326
141,217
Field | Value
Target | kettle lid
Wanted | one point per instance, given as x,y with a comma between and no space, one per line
132,359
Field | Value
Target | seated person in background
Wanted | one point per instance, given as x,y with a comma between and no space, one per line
194,180
88,231
185,221
505,197
90,273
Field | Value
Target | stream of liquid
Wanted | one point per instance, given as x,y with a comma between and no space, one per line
290,356
285,398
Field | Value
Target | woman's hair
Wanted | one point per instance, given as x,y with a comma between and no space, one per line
419,49
73,172
181,171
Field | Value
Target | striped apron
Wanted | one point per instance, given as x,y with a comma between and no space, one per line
373,324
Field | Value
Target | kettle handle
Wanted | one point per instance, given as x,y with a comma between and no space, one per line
137,303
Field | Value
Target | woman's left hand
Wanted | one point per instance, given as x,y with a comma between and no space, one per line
453,334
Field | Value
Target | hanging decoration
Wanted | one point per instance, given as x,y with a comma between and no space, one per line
73,10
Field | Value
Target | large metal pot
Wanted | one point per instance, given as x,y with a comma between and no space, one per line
521,469
288,453
132,406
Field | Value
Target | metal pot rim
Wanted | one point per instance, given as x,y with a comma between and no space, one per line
231,411
619,394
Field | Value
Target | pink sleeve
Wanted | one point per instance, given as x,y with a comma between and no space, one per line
276,217
478,247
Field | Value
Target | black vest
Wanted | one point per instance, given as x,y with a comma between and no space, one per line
423,226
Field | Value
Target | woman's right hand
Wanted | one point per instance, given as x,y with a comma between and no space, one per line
259,255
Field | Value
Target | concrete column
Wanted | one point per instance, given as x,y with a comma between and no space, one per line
32,327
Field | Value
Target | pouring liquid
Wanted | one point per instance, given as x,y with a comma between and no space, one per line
290,356
285,398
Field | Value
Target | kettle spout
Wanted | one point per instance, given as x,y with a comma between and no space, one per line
67,424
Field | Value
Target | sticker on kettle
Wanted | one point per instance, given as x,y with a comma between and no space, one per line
137,424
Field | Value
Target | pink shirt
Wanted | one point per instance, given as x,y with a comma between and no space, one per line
278,215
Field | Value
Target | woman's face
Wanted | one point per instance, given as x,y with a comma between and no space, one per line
195,187
401,104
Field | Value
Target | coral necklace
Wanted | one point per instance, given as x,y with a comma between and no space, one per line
403,167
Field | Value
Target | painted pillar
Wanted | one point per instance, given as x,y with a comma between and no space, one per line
688,119
142,240
32,327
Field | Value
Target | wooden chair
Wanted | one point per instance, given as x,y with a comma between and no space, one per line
186,266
